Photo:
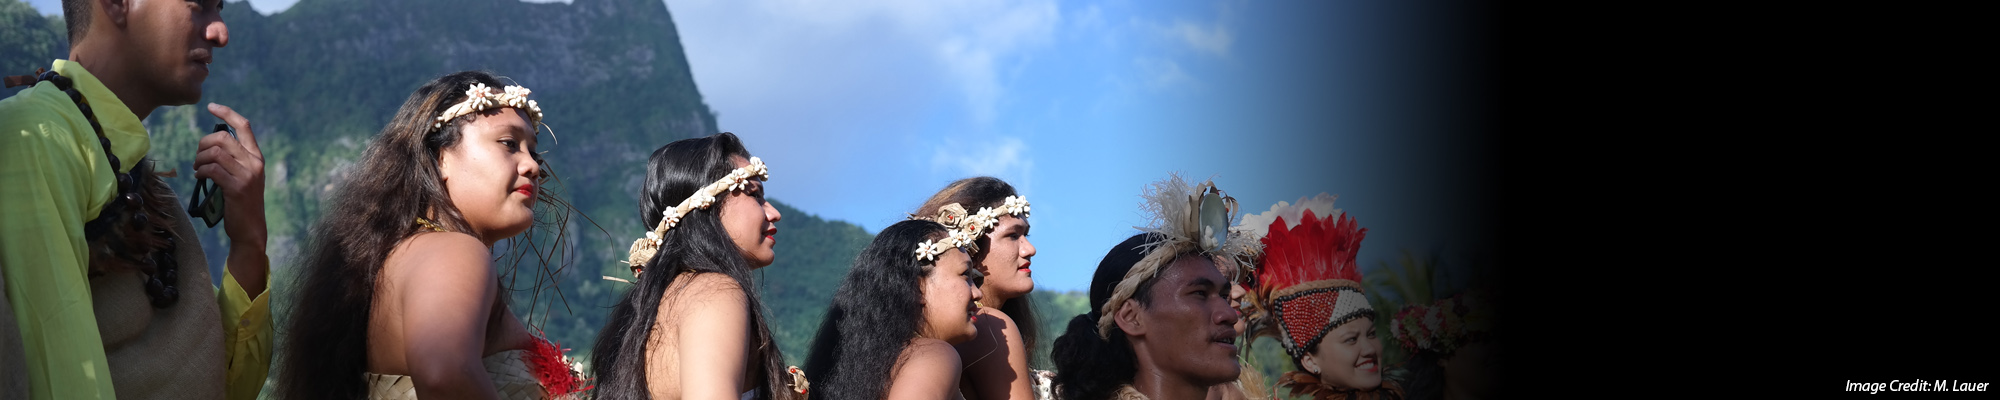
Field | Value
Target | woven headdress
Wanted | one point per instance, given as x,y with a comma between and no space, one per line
1184,218
1308,282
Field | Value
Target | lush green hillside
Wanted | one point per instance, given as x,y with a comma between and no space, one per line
28,40
320,78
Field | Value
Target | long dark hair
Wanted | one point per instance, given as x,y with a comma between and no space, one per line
875,314
699,244
974,193
1089,366
395,181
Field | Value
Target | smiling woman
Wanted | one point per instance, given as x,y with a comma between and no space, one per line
1311,299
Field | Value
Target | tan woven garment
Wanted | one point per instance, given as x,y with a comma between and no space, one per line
170,353
510,374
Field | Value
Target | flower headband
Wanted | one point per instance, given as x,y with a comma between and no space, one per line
966,228
644,248
481,98
1184,217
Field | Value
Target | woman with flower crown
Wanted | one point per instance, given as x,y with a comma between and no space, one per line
692,326
996,217
890,330
398,297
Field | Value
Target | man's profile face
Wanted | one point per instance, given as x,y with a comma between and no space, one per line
171,43
1190,325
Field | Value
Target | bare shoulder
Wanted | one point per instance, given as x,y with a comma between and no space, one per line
708,290
929,356
458,256
928,369
698,303
985,312
995,329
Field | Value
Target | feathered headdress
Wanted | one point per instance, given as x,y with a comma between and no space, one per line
1183,217
1308,281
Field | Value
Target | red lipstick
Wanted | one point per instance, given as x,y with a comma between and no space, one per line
527,189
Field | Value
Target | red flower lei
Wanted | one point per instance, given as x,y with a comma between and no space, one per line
546,362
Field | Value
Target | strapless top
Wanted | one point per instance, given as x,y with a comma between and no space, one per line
536,374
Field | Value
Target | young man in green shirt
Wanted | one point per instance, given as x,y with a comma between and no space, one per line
62,154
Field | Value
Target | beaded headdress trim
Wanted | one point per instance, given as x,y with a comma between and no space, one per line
644,248
479,98
966,228
1306,312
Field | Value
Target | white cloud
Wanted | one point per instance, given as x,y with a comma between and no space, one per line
1162,74
967,42
1212,39
1004,157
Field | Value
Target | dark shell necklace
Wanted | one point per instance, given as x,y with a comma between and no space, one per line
164,271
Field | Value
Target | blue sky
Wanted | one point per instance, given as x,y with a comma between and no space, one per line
865,108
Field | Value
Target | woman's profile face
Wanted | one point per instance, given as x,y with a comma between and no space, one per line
490,174
1232,270
1349,356
751,222
948,299
1007,258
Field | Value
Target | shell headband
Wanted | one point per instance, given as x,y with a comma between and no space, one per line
966,228
479,98
644,248
1184,217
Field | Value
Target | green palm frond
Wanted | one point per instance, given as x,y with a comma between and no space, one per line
1411,279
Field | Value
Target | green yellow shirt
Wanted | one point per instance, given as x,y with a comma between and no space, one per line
55,179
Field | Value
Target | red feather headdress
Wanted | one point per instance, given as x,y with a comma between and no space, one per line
1308,280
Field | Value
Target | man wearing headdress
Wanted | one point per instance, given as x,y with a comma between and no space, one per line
1160,325
104,278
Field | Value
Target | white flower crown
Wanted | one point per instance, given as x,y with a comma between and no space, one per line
966,228
644,248
480,98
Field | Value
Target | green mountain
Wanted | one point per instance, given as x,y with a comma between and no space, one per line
319,79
